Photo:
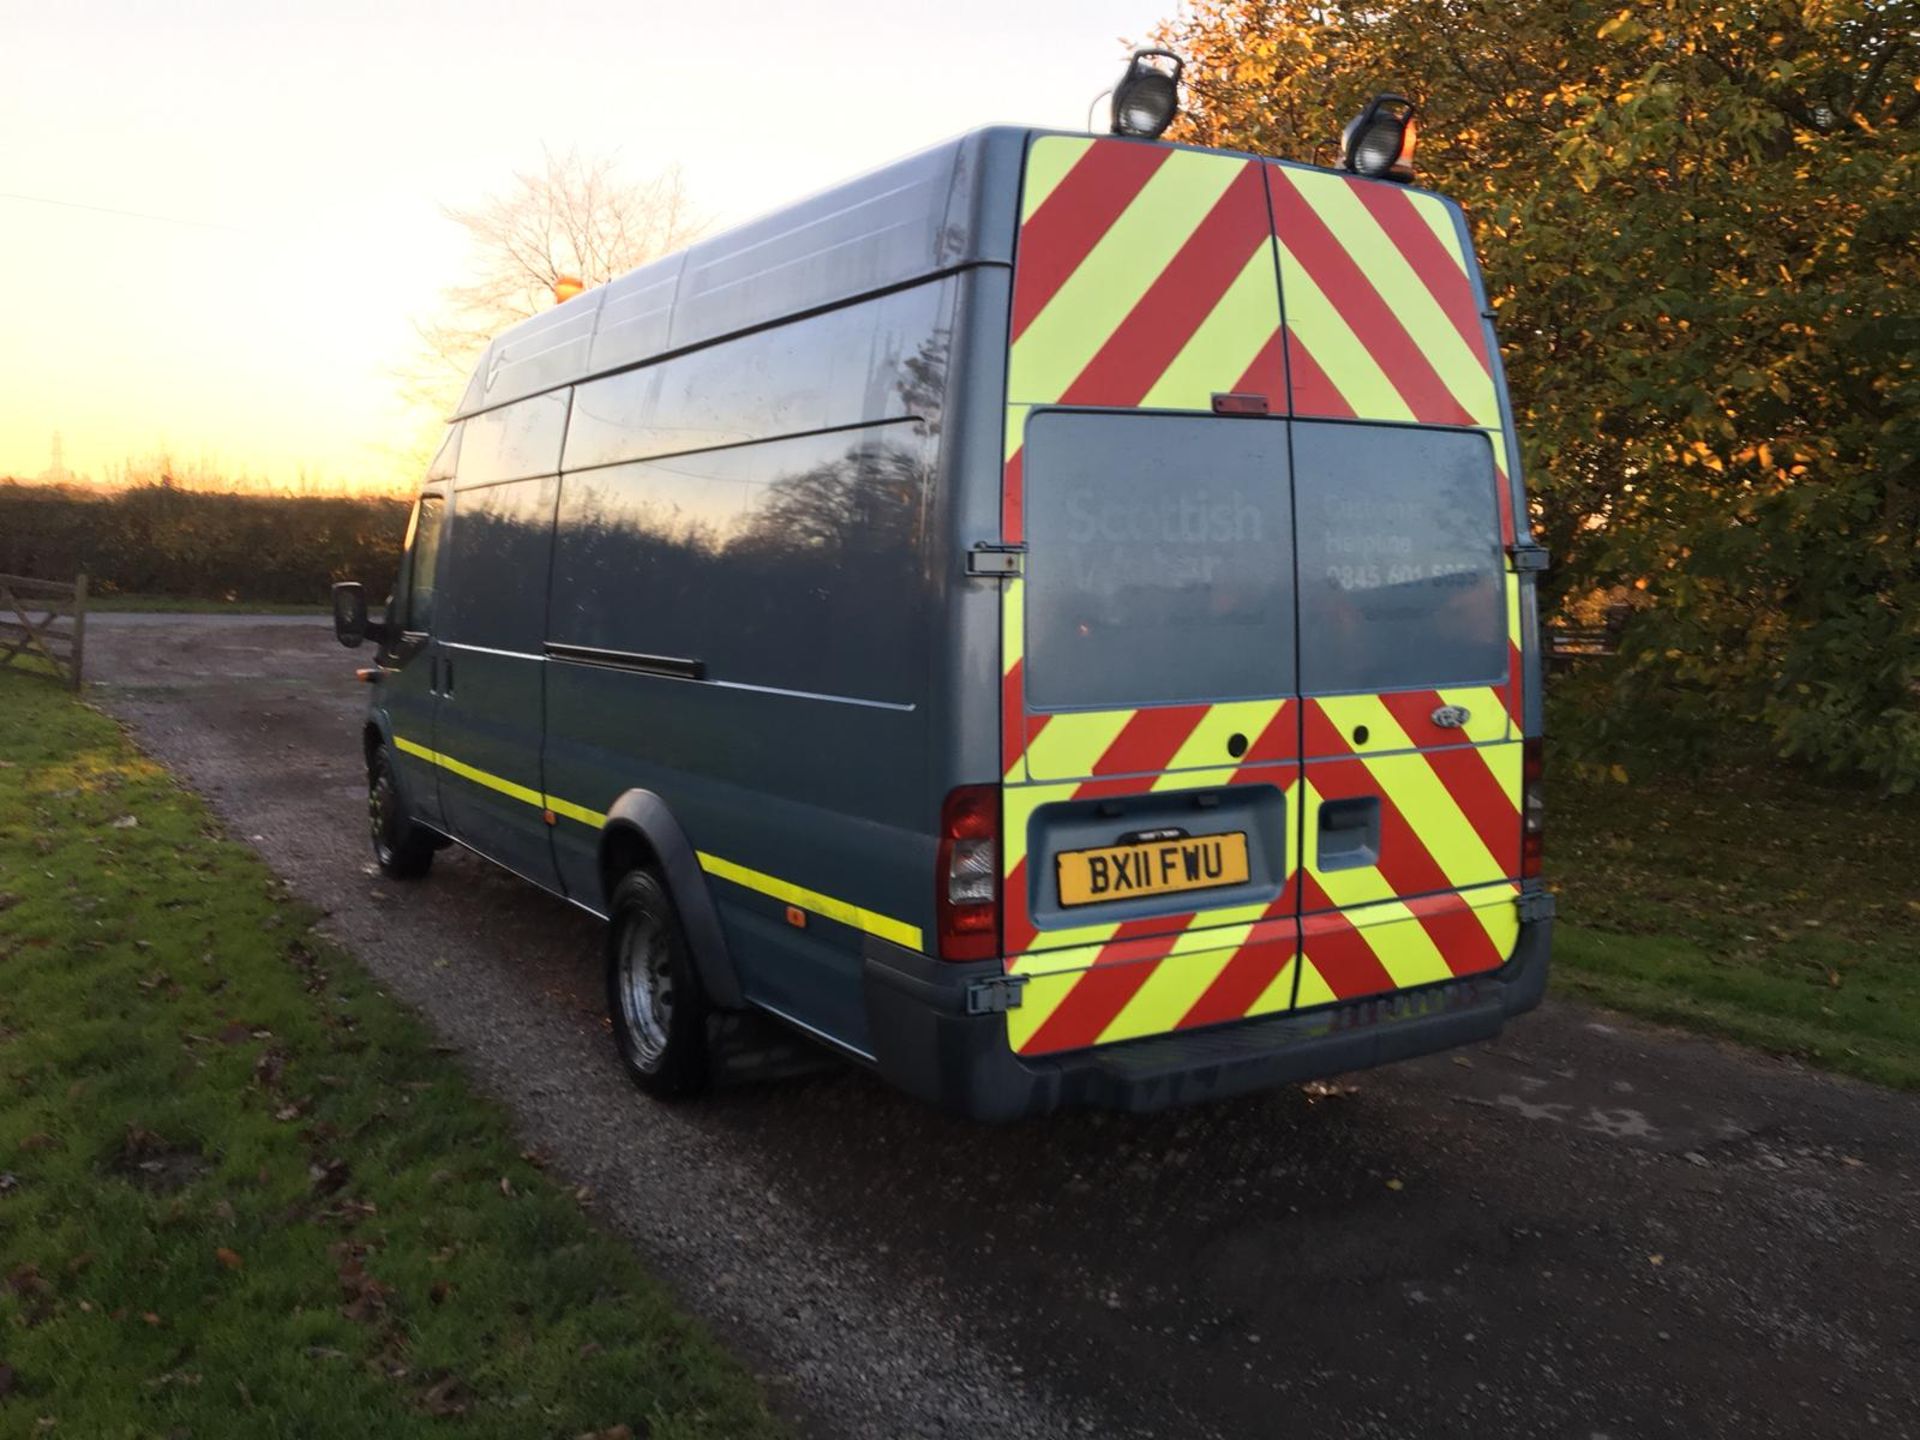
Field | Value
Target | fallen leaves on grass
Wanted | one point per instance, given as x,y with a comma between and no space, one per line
328,1176
446,1396
229,1258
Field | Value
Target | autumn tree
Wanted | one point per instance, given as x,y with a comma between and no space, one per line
1698,221
576,215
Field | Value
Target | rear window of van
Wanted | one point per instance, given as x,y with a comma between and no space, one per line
1159,567
1402,574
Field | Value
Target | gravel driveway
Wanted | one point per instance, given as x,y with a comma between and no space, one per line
1591,1228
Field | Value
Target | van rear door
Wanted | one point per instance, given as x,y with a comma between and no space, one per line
1150,718
1410,616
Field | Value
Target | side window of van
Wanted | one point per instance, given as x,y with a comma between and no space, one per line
497,552
1401,570
884,359
514,442
423,562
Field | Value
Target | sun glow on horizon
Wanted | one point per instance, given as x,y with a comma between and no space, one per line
223,230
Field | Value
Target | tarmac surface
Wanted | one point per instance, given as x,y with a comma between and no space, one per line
1587,1228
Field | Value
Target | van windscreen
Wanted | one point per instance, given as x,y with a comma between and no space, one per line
1160,560
1401,583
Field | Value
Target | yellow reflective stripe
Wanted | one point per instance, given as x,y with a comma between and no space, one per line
465,771
887,928
1500,918
1279,992
1433,815
1226,342
1206,746
1063,958
1439,218
1120,268
595,818
1039,998
1048,161
1071,744
1461,369
1166,995
1012,637
1314,990
884,926
1401,944
1016,431
1348,365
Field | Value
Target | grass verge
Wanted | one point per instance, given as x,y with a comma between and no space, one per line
241,1194
1754,902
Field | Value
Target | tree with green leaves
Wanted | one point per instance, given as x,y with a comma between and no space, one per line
1698,223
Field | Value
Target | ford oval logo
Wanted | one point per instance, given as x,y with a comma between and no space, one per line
1451,717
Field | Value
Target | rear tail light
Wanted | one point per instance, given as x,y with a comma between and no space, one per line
1533,806
967,902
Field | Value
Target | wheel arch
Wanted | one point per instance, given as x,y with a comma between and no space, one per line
641,831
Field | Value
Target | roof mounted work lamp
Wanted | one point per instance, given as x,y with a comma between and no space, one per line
1148,95
1379,140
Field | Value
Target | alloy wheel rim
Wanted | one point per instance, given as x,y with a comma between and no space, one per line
380,815
646,989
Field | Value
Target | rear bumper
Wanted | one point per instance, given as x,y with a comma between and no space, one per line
926,1043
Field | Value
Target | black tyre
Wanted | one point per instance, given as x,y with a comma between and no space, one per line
404,849
659,1013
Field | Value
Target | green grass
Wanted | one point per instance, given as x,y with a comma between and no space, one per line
173,605
241,1194
1754,902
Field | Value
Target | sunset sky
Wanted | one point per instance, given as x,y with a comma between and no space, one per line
311,147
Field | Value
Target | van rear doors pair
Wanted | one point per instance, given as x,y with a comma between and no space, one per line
1261,677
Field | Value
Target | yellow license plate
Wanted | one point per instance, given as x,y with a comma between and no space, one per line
1156,867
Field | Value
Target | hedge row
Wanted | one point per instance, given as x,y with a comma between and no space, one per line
194,545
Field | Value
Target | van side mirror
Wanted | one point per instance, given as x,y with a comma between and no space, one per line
350,624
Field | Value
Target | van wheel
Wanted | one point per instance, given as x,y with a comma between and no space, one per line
404,849
659,1014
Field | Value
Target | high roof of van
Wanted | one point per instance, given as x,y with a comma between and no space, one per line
939,210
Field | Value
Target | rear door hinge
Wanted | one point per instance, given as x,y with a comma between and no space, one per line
1528,557
1535,905
997,561
995,995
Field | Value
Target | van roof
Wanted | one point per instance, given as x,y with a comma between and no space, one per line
946,207
953,205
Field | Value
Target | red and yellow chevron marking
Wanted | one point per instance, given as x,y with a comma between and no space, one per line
1021,801
1382,320
1449,816
1150,985
1144,278
1372,949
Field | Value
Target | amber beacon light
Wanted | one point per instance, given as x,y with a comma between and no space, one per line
1379,140
565,287
1148,95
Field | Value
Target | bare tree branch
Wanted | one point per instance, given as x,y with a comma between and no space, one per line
574,215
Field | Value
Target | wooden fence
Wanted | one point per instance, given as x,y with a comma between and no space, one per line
30,614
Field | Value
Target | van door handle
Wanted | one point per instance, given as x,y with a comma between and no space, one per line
1349,833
